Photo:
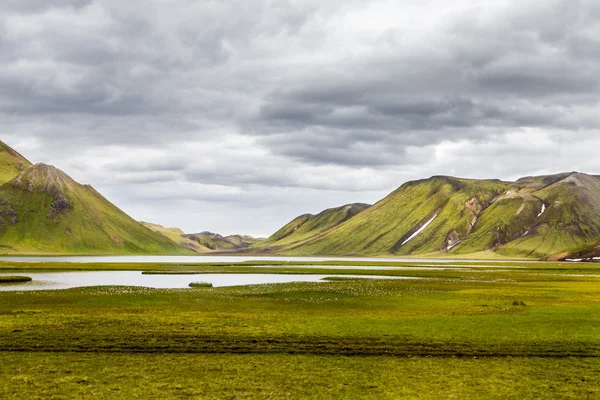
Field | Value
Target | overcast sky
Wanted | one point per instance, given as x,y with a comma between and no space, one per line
236,116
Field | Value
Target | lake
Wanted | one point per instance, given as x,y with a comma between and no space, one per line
228,259
68,280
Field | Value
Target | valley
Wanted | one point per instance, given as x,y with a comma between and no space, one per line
554,217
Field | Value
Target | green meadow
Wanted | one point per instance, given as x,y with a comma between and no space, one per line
510,330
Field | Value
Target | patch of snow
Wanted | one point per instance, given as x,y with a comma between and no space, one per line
543,210
574,259
452,246
421,229
525,234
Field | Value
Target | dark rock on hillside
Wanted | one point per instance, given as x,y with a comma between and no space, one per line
7,213
60,206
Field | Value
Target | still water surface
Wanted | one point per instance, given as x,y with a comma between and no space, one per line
228,259
68,280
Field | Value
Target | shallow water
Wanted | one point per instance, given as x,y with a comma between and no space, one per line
228,259
362,267
68,280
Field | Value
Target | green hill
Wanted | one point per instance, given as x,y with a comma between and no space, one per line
11,163
308,226
453,216
43,210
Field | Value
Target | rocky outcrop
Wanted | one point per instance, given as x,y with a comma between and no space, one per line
8,215
474,205
47,179
452,240
59,207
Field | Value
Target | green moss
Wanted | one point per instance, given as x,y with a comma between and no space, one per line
285,376
11,163
201,285
14,279
308,225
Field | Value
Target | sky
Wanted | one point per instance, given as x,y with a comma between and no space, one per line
237,116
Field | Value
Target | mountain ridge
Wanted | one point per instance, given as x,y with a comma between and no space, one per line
459,216
43,210
11,163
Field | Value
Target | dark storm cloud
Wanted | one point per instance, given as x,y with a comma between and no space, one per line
245,100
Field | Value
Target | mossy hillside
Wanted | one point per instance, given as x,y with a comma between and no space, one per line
455,220
55,214
383,228
534,183
510,217
471,217
571,219
11,163
308,225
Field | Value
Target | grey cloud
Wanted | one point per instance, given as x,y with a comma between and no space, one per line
244,101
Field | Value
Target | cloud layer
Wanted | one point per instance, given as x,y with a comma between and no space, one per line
235,116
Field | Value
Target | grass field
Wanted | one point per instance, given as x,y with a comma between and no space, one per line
486,331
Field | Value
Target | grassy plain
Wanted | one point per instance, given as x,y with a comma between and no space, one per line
522,330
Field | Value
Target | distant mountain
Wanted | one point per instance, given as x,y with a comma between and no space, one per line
44,211
534,217
214,241
176,235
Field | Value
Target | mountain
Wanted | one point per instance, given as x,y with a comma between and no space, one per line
243,241
43,210
11,163
214,241
205,241
534,217
570,220
309,226
177,236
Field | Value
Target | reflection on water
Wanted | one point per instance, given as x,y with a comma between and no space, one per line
67,280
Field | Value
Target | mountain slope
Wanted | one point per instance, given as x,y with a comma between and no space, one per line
11,163
533,217
571,218
177,236
308,225
43,210
446,206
